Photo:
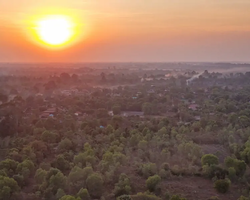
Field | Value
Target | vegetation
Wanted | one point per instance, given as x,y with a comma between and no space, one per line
152,182
209,159
222,186
116,134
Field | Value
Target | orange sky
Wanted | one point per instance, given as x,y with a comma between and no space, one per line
138,30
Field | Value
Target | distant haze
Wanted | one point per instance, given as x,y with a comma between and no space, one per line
133,31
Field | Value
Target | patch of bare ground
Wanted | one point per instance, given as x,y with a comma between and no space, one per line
210,143
197,188
190,187
207,138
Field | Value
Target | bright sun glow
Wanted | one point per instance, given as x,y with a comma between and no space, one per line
55,30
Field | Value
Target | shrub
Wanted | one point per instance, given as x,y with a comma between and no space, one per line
167,196
45,166
144,196
209,159
229,162
177,170
143,145
165,166
231,173
243,198
177,197
245,155
214,170
238,165
152,182
123,186
124,197
60,193
19,179
222,186
148,169
214,198
69,197
116,109
157,190
164,174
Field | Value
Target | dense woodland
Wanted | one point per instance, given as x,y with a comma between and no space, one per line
125,135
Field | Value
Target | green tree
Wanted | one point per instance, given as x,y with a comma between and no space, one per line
83,194
162,132
143,145
40,150
240,167
40,175
76,174
60,193
8,186
49,136
9,166
26,168
61,163
148,169
83,158
152,182
245,154
95,185
231,173
53,181
57,181
123,186
109,129
209,159
65,145
229,162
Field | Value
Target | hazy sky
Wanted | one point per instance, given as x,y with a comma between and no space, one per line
132,30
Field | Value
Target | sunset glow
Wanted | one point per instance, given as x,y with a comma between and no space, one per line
150,31
55,30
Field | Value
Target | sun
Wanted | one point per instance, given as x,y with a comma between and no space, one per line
55,30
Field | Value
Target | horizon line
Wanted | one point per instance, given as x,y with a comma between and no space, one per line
108,62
